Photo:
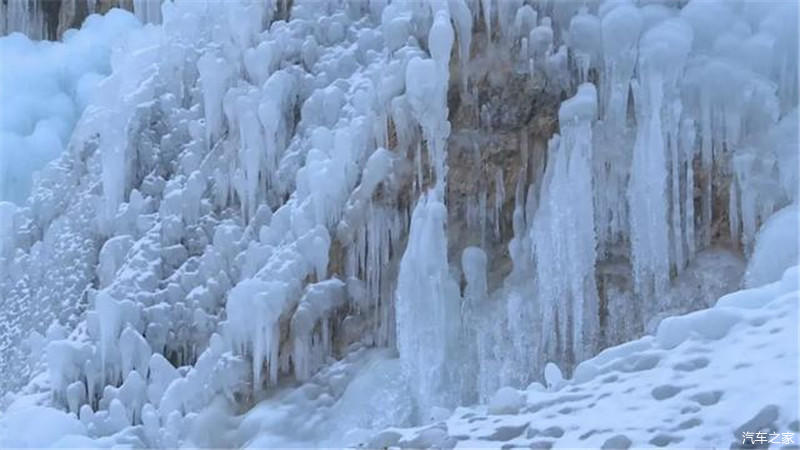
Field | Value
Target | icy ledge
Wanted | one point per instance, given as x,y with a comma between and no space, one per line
702,380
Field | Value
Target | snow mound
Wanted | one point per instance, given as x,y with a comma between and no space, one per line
46,91
701,381
776,247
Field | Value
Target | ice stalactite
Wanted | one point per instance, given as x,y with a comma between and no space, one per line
540,43
374,230
563,237
662,55
427,82
462,19
214,74
585,41
254,309
621,27
311,325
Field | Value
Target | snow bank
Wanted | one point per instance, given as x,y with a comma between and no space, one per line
44,86
37,427
776,247
703,380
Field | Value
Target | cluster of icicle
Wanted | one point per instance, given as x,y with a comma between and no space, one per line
248,143
252,144
678,99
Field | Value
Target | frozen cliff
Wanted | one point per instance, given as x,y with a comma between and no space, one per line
280,223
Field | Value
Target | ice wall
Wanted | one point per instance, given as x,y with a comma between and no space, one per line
256,192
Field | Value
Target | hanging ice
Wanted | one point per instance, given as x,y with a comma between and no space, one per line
662,55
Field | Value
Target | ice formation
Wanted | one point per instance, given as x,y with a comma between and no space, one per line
566,293
46,91
687,385
300,222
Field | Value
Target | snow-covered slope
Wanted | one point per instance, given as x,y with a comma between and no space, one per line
700,382
273,216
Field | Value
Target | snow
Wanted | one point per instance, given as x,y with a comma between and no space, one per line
776,247
505,401
38,426
45,93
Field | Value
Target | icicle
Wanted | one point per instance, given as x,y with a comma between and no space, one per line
214,73
540,43
254,308
462,18
620,30
499,199
315,308
663,53
584,40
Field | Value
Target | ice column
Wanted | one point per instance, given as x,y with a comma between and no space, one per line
427,298
562,234
427,308
663,52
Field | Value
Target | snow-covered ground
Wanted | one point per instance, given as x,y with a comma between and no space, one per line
248,238
701,381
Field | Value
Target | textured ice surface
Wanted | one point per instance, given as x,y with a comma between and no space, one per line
256,195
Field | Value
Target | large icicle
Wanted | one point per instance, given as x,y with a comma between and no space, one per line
662,55
563,236
621,27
